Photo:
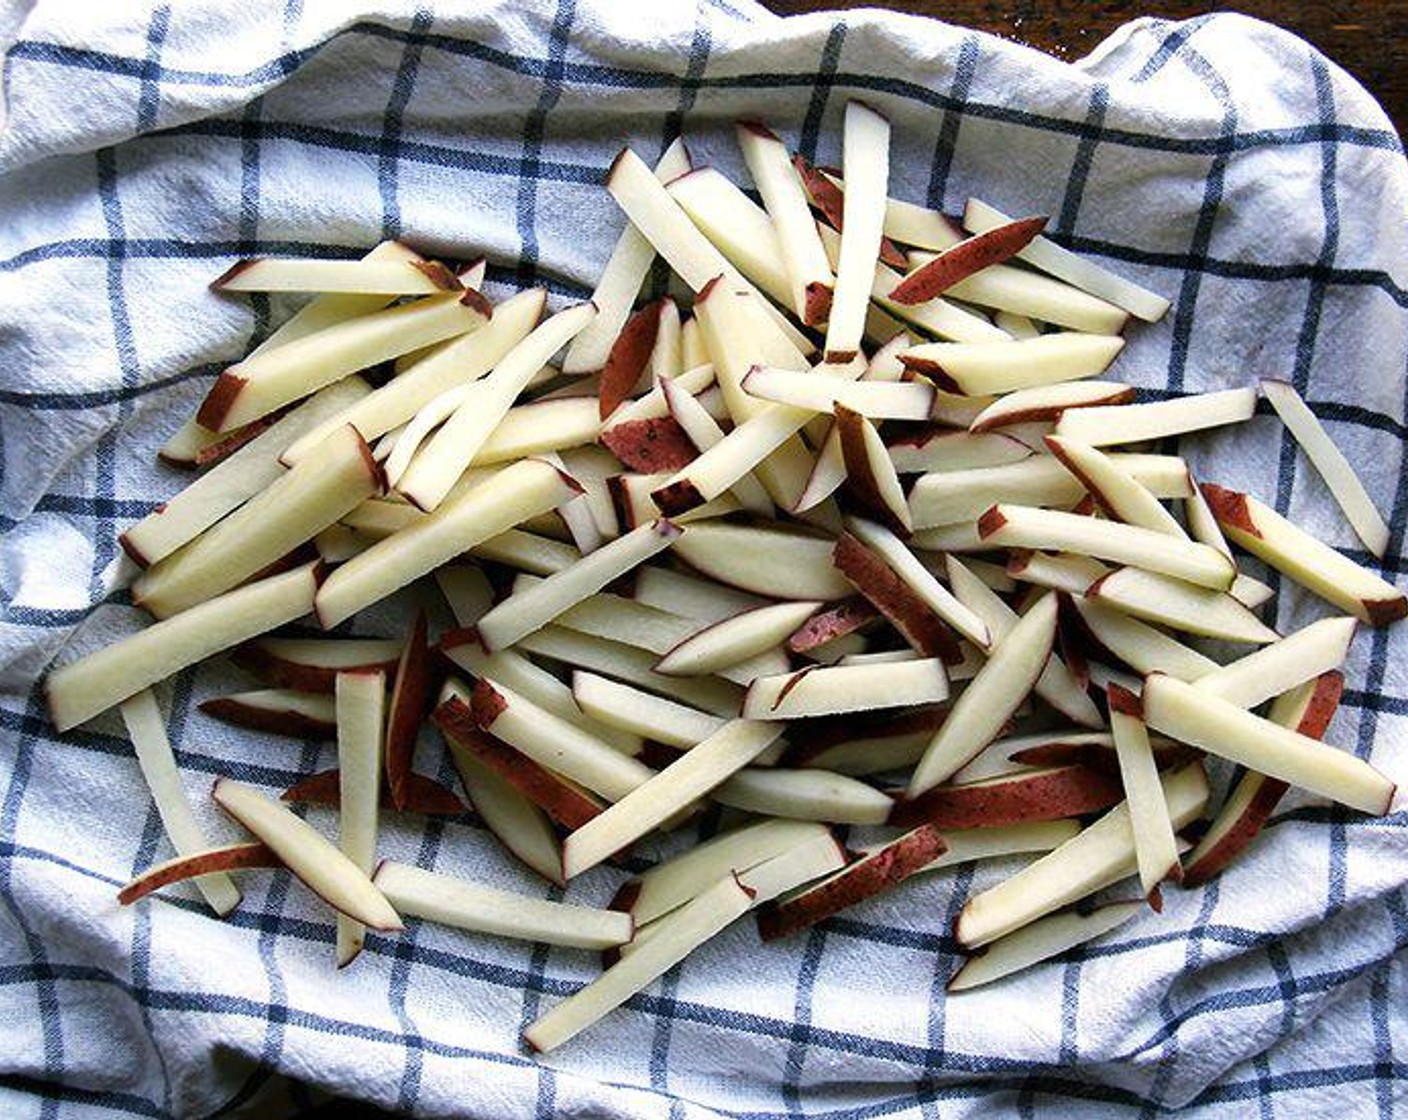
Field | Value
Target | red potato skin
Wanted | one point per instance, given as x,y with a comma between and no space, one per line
1087,506
1230,507
1094,757
792,682
1125,702
242,857
1324,702
650,446
438,275
279,673
827,198
861,482
553,874
910,615
967,257
1239,833
1093,493
934,372
623,901
420,794
816,303
136,555
1383,611
828,732
230,273
1051,412
628,357
487,704
409,701
459,636
1067,792
223,449
844,618
864,879
472,297
991,521
296,725
221,398
563,802
1233,512
676,498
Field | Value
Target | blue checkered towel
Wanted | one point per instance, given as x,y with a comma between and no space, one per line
1219,161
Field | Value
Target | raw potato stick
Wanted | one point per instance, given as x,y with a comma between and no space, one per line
312,664
1186,713
336,478
866,146
450,366
1065,265
967,257
512,496
145,728
417,893
555,743
1291,550
364,277
1040,941
1027,527
1004,288
1057,685
703,432
260,384
206,865
938,317
1308,709
620,280
317,863
1155,847
361,700
1114,489
690,926
667,793
786,203
1329,461
642,713
1048,402
406,711
979,368
695,260
883,868
846,688
438,465
1135,423
1098,856
979,713
303,715
233,481
524,612
737,226
82,689
517,823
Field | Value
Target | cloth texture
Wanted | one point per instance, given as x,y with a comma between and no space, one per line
1220,161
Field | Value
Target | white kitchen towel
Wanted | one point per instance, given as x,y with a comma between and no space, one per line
1221,162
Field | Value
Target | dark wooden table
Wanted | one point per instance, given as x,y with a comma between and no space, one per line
1367,37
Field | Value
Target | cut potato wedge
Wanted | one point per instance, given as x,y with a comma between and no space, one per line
80,690
1291,550
318,864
